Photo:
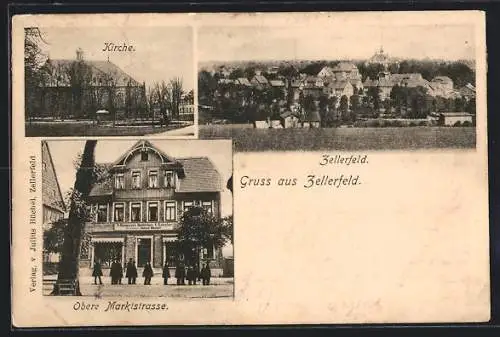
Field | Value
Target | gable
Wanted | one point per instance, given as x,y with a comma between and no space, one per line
51,191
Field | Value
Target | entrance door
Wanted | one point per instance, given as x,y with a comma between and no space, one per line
143,252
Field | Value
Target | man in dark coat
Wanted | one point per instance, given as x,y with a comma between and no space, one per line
97,272
119,272
205,274
113,272
190,275
180,274
166,274
147,273
131,272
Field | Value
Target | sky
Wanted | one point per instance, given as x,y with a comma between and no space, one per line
161,53
318,42
64,153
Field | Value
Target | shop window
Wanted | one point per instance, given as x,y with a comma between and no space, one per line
153,179
187,205
153,211
170,210
135,211
136,179
207,206
119,213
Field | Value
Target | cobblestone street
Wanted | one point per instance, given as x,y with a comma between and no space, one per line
219,287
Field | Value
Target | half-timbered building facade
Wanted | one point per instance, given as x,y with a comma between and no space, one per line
137,210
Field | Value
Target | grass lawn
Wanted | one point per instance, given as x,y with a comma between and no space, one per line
62,129
246,138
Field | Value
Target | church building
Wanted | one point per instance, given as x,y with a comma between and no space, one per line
78,88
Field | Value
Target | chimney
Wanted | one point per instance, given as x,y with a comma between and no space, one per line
79,54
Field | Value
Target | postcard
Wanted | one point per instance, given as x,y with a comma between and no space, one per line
249,168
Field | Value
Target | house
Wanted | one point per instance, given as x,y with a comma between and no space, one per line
326,72
454,118
138,210
102,80
295,88
243,81
468,91
289,120
273,70
277,83
346,71
225,81
442,86
224,71
386,81
311,119
339,88
53,206
259,81
313,86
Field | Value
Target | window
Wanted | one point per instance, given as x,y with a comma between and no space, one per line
169,179
187,205
153,179
135,211
170,210
44,166
207,206
153,211
144,156
136,179
119,182
119,213
102,213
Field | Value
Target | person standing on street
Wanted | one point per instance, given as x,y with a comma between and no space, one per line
166,273
147,273
113,273
129,271
97,272
119,271
205,274
180,274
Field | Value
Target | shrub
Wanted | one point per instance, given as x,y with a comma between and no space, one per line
422,123
466,123
457,123
412,124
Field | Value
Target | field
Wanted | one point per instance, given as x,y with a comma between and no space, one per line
246,138
61,129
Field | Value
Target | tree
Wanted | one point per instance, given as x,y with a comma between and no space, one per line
176,92
86,176
308,103
355,103
53,238
374,96
79,74
161,96
323,109
236,73
344,107
33,60
200,229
